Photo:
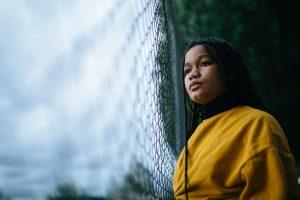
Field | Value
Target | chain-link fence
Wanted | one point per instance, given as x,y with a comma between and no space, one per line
104,102
150,96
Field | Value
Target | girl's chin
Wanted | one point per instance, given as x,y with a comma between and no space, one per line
198,100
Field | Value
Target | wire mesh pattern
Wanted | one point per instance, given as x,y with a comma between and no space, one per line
148,98
89,100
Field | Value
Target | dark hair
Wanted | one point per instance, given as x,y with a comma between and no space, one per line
230,62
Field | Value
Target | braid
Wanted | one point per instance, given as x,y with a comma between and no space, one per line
186,151
244,87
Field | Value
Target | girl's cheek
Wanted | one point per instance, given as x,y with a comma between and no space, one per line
186,84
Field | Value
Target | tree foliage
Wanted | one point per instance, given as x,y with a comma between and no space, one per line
137,184
69,191
3,196
266,32
65,191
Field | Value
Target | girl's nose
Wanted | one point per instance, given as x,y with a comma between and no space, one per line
195,73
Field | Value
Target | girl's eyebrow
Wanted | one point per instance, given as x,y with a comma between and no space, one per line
200,56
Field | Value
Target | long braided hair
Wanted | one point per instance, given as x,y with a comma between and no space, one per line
230,62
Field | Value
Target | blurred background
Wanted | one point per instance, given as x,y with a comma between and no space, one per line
267,34
91,96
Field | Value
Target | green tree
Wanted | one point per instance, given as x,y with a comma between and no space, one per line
266,32
66,191
3,196
139,184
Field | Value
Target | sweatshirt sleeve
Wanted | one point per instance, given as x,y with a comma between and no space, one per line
265,177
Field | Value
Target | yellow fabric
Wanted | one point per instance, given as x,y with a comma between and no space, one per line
241,153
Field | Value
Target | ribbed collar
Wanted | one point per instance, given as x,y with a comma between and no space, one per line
226,101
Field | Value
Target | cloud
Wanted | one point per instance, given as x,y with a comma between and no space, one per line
57,99
67,95
37,33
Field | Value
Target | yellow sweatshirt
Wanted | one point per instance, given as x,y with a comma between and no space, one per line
241,153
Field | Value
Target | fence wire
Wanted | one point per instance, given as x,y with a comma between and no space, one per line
148,99
90,101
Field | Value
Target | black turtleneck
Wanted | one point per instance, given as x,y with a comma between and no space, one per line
226,101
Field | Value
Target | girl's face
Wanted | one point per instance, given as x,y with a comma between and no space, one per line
202,78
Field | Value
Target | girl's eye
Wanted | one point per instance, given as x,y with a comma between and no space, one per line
186,71
204,64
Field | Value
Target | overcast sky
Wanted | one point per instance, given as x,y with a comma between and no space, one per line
62,107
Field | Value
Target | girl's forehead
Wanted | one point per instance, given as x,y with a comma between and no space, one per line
195,52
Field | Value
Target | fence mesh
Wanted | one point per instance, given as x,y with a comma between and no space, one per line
95,101
148,98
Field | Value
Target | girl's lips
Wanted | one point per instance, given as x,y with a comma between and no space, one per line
195,86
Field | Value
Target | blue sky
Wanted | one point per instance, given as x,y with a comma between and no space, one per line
63,110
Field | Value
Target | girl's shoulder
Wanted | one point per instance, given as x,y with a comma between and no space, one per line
247,113
262,128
